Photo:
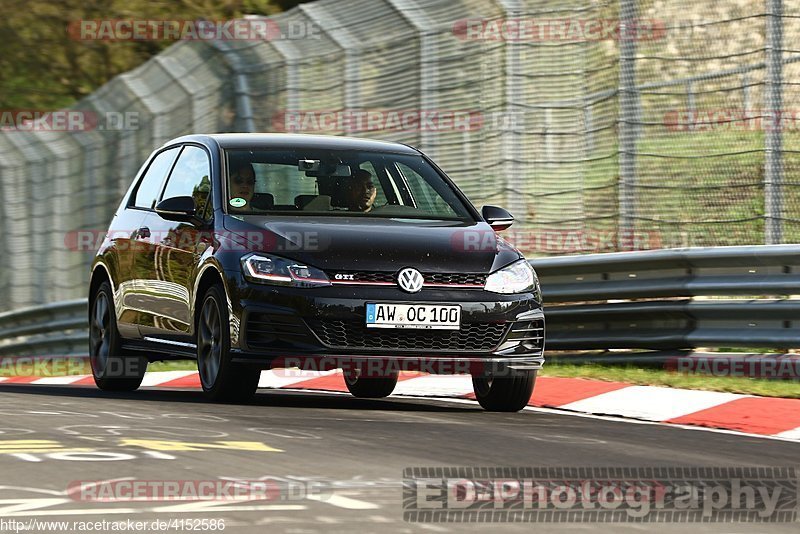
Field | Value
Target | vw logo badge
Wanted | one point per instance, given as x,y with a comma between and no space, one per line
410,280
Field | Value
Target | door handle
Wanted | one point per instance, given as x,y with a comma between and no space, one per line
143,233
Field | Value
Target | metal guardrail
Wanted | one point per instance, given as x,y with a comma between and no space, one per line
665,300
54,329
673,299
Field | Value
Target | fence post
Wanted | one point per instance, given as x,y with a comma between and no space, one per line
773,96
348,44
746,106
241,86
291,58
513,110
425,27
5,223
588,125
628,124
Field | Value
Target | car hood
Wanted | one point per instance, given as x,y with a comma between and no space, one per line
355,244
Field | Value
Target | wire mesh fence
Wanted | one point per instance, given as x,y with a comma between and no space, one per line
602,126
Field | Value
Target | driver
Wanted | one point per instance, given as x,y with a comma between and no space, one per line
361,191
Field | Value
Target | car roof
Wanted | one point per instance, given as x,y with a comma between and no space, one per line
302,141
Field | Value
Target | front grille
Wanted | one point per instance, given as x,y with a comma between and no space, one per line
477,279
355,335
529,332
275,330
456,278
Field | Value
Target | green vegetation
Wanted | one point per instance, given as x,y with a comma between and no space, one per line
46,67
176,365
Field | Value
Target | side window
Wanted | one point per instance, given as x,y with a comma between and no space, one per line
150,185
191,177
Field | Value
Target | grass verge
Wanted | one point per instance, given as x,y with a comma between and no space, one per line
75,366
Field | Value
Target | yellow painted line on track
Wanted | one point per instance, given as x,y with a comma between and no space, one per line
162,445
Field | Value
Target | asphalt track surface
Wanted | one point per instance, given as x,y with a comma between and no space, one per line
354,450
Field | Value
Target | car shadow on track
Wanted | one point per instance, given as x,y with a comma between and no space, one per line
272,398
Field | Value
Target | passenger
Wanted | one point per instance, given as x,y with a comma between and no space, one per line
242,184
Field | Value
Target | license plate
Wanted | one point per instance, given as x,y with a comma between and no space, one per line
425,316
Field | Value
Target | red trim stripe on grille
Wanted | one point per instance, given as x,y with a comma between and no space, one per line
357,283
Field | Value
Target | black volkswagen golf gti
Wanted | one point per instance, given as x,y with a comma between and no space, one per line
259,251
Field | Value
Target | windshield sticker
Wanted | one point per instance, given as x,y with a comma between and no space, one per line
237,202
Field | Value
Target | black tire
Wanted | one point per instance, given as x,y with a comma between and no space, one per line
369,387
112,368
504,393
222,380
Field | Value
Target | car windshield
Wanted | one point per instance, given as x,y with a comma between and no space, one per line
330,182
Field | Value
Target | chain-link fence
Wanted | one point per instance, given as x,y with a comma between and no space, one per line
627,124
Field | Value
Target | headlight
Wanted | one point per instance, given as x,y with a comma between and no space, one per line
268,269
518,277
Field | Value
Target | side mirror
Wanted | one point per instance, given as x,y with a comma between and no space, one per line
177,209
498,218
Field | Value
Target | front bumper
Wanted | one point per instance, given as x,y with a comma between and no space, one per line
323,328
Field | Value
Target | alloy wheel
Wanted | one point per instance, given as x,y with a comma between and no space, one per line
100,333
209,342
